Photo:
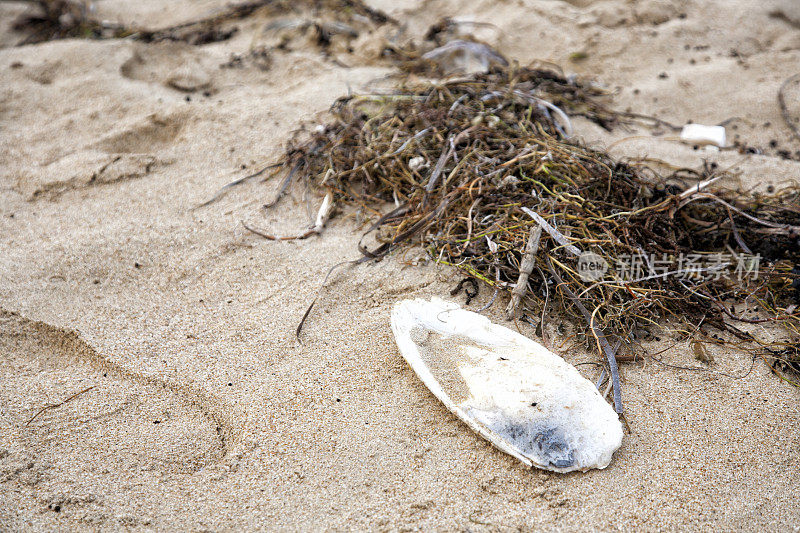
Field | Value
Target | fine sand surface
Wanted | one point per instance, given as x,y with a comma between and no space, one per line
203,413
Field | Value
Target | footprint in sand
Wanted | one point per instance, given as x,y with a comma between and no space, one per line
150,134
612,14
175,65
122,155
115,427
82,169
44,73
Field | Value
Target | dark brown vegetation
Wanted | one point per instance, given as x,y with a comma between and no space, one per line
59,19
474,169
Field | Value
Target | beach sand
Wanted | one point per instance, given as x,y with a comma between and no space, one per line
196,407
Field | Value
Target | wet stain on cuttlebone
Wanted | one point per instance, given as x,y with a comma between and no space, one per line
445,355
546,444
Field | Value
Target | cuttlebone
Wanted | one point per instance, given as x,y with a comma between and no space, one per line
514,392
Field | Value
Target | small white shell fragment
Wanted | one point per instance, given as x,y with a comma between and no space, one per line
521,397
324,212
704,135
417,163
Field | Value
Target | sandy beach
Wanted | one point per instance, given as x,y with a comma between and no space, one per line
196,409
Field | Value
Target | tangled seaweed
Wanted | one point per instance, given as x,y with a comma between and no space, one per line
61,19
483,173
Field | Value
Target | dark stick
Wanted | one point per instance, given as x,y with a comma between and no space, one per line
599,335
220,193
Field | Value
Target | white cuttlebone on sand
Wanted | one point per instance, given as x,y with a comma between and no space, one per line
517,394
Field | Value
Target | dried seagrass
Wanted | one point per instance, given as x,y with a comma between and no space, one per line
468,167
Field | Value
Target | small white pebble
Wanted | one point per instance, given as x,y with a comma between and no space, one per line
417,163
699,134
509,181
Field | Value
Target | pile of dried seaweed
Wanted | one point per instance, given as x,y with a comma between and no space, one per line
481,171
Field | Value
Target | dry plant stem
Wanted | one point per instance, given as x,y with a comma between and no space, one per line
598,334
221,192
738,237
59,404
323,215
601,379
700,195
270,237
694,189
494,294
437,170
559,237
319,291
525,270
284,186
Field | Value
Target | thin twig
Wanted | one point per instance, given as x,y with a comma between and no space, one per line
494,294
319,291
284,185
525,270
59,404
557,235
222,191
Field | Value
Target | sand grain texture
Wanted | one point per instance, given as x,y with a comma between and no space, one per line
206,414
